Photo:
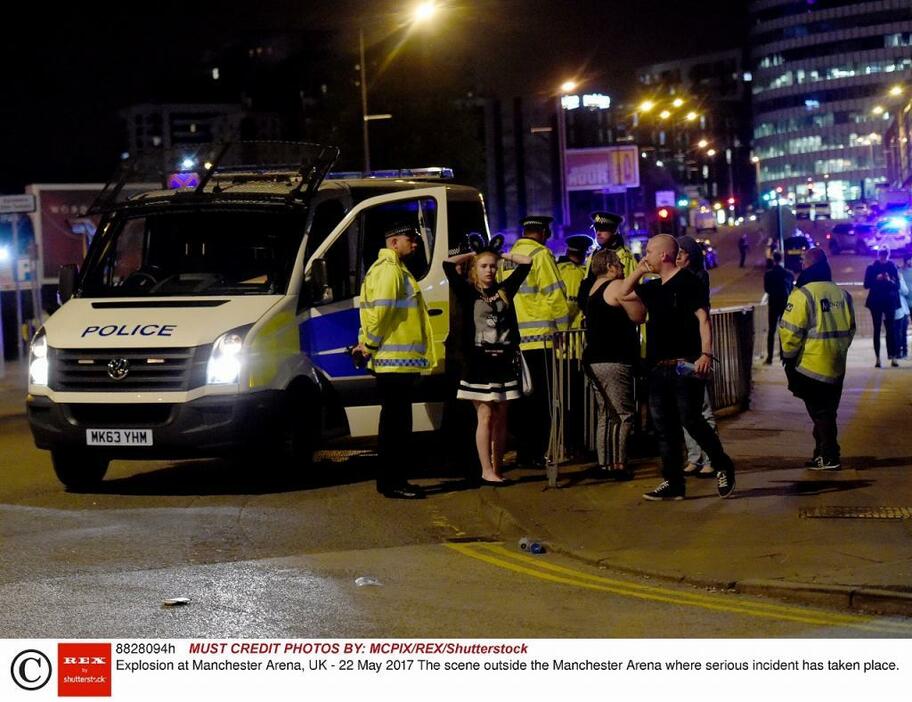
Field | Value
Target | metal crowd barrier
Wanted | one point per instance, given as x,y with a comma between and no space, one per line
573,396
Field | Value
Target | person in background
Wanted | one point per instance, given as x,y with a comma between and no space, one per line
611,356
743,248
777,284
905,274
690,257
397,341
572,268
882,283
816,331
541,310
491,344
678,332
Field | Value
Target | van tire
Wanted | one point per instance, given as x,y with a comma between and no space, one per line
79,471
298,429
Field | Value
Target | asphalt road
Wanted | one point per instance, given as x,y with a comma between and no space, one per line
261,557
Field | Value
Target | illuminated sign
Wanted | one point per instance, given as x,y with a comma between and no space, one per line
612,169
597,100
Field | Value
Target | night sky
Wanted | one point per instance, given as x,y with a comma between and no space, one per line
70,68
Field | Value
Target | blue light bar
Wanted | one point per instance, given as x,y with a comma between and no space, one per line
428,172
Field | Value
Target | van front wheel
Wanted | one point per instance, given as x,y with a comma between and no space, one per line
79,471
299,429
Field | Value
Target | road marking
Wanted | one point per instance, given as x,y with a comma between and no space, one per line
537,567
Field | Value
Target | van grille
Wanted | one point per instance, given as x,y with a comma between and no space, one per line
119,414
151,370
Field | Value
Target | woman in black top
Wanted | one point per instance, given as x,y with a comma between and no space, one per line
491,346
882,282
611,354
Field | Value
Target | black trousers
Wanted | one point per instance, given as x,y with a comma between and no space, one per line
885,317
822,403
396,390
532,423
676,401
776,310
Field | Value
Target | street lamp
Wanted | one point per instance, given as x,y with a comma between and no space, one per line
702,143
896,91
646,105
420,15
568,86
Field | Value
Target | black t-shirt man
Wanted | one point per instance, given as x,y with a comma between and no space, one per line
672,329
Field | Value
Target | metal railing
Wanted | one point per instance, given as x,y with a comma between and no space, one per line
573,396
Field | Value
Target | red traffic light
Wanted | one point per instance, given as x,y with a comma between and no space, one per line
664,213
731,201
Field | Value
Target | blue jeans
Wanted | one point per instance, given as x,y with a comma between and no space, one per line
675,403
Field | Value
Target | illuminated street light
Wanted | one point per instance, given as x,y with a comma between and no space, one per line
755,159
691,116
896,90
646,105
702,143
677,102
878,110
711,152
568,86
664,114
424,12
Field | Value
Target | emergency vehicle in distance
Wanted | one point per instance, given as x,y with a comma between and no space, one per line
212,316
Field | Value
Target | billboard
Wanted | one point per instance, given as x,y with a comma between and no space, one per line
609,169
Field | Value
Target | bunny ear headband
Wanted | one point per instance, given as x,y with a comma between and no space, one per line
478,244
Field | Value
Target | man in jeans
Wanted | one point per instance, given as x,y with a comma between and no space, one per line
678,330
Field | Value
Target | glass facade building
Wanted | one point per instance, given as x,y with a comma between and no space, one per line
822,74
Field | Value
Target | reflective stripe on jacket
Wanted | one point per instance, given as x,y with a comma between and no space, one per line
817,328
395,325
572,275
541,303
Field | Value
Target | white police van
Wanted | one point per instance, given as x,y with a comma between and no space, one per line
213,314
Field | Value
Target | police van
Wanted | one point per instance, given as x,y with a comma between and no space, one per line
214,313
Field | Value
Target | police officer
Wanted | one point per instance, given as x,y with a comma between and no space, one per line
816,330
606,226
396,338
572,269
541,310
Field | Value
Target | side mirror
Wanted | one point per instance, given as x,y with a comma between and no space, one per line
318,283
67,285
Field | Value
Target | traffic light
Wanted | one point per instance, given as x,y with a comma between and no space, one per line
665,220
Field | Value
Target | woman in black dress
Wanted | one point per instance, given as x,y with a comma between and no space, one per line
490,343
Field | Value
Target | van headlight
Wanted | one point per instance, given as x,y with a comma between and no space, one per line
38,359
227,358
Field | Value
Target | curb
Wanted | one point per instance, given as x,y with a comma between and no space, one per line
856,598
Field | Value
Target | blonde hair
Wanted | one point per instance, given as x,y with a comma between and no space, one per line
473,274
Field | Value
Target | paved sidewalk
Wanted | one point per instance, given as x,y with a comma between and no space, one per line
757,541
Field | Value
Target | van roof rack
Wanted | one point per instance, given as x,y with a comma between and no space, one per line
196,172
424,173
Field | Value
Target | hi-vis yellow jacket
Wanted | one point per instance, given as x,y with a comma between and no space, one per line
572,275
395,325
541,304
817,329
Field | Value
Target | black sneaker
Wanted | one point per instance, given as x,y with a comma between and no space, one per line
810,463
665,492
725,480
826,464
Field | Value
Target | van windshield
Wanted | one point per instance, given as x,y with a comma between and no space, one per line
199,252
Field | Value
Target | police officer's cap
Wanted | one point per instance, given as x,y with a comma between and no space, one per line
579,242
402,230
538,222
606,221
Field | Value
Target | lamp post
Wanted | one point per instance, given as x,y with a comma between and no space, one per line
566,87
422,13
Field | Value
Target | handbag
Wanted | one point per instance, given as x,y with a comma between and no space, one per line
524,375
